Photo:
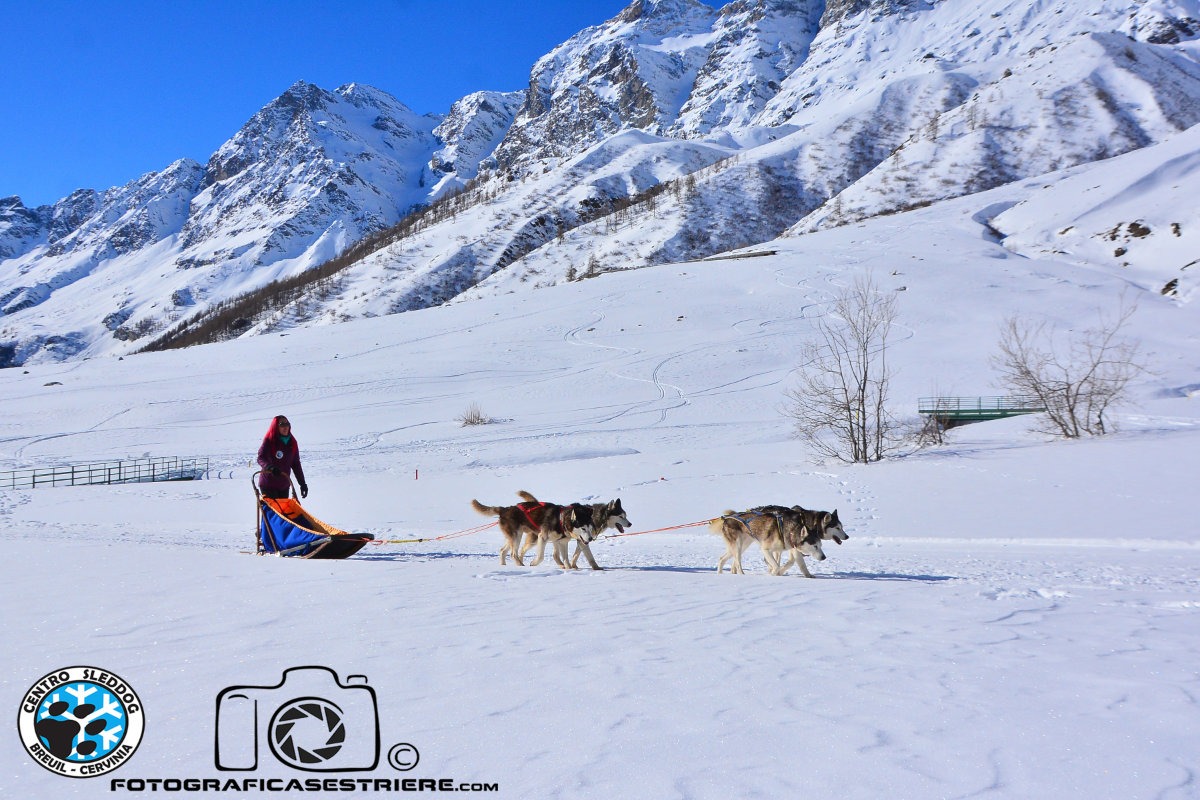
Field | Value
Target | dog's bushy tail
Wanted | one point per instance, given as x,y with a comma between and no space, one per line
526,496
717,525
487,511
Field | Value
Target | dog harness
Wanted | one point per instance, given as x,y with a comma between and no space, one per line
747,514
742,516
528,508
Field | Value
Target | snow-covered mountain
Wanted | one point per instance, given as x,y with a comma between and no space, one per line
752,48
672,131
308,175
470,133
634,71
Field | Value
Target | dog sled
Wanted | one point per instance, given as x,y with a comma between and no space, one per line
286,529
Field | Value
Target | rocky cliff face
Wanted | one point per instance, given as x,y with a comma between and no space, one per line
754,46
631,72
469,135
20,227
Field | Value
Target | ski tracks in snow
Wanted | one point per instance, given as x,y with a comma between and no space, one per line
660,401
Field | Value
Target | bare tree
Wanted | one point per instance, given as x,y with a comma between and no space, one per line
840,406
1079,378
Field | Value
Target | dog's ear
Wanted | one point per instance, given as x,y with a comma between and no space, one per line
826,519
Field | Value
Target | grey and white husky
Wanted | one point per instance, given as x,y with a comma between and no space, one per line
777,529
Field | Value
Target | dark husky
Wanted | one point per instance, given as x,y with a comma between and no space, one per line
541,521
573,522
605,516
602,517
526,518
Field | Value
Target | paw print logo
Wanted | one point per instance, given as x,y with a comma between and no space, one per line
74,729
81,721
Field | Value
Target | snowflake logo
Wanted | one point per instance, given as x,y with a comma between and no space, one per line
81,721
74,728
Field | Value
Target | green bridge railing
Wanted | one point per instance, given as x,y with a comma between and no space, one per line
977,409
143,470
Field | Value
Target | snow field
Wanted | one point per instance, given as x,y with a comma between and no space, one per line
1010,618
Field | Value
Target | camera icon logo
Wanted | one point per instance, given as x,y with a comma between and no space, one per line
309,721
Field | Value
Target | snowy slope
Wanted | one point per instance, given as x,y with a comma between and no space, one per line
447,258
1132,215
1011,617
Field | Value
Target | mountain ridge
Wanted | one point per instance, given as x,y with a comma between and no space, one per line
716,128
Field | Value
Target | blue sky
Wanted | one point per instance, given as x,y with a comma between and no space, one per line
96,94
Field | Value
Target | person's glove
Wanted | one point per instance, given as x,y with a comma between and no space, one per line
303,490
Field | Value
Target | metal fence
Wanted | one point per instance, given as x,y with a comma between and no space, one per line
144,470
978,407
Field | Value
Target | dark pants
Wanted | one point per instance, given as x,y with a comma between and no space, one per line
275,494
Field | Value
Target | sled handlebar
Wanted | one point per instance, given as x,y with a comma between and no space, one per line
258,494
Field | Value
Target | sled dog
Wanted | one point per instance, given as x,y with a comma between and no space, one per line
777,529
602,516
572,522
828,524
830,528
540,522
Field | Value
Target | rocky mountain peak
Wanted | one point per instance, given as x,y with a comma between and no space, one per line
19,226
300,96
633,71
474,127
754,46
658,9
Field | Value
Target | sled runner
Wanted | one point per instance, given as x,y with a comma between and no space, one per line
286,529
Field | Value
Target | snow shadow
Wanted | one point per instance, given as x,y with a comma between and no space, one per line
418,556
657,568
886,576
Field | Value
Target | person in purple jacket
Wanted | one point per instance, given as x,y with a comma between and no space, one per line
279,455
